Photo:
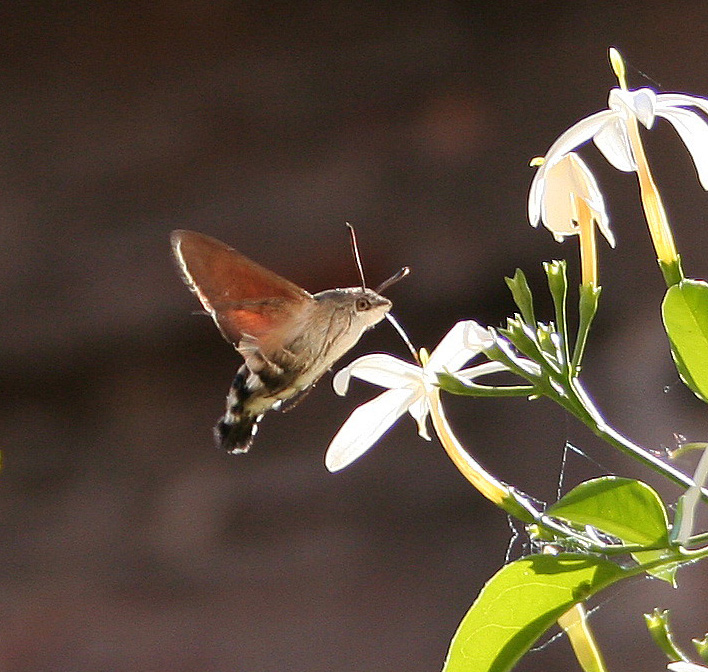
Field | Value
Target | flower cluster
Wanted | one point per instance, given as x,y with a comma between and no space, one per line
582,534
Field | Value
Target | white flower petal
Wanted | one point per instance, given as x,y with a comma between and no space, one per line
682,100
557,206
379,369
596,203
366,425
645,106
558,212
465,340
340,382
419,409
640,103
566,142
576,135
693,130
566,181
682,666
538,185
612,140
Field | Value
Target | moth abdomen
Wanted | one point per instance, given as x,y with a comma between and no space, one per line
251,394
235,430
236,436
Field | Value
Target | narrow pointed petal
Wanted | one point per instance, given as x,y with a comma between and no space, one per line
693,130
681,100
683,666
612,140
465,340
596,203
419,410
538,184
566,142
366,425
577,135
379,369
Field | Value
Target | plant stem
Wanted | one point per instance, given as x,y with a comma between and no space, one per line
597,424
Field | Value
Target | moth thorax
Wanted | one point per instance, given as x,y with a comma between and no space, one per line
340,317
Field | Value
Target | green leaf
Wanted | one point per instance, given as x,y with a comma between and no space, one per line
665,572
521,292
685,314
624,508
519,603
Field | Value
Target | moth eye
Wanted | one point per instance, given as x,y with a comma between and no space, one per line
362,304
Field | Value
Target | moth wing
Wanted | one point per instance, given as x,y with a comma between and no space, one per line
244,298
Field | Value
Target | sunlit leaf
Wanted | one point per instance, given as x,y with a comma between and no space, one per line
519,603
624,508
685,313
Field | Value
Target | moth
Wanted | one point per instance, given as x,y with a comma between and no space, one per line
288,337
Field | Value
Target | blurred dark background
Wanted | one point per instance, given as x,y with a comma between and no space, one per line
129,543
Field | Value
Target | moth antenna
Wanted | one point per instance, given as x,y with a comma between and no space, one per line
403,335
355,251
393,279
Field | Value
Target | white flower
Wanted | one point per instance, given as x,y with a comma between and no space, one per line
608,130
681,666
410,387
567,181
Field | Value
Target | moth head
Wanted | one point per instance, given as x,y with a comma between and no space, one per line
365,307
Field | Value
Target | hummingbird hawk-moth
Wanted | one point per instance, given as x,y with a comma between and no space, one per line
288,337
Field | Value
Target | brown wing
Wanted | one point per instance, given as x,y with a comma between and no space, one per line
243,297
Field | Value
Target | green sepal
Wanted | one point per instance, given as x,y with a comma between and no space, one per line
558,286
544,333
702,647
524,339
457,385
589,298
521,292
672,271
658,625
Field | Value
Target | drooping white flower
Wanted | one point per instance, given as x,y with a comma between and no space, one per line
410,387
568,184
608,130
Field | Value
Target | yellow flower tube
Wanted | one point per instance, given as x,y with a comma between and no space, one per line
654,211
